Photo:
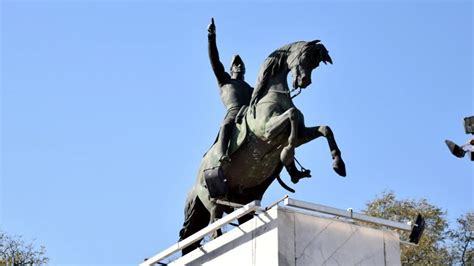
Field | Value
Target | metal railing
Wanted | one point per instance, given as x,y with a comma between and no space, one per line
346,213
244,210
255,206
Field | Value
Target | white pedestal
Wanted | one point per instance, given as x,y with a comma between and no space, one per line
286,236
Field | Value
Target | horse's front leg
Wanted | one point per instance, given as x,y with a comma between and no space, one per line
276,125
307,134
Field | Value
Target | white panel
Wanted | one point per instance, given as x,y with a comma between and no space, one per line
326,241
392,248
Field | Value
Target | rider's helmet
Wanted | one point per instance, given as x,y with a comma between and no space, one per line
237,65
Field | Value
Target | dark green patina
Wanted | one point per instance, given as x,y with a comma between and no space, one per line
262,142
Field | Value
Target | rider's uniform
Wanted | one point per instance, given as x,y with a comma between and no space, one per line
234,93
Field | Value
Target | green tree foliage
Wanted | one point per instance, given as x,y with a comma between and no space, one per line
462,237
431,249
15,251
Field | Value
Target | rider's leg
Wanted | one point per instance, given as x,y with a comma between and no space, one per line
225,134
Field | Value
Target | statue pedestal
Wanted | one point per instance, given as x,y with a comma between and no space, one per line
289,236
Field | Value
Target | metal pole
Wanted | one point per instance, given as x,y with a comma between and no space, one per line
343,213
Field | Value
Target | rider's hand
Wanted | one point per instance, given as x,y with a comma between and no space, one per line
211,29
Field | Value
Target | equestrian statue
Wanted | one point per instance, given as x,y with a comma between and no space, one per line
259,134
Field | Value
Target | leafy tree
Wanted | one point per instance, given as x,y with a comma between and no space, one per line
462,237
431,248
14,251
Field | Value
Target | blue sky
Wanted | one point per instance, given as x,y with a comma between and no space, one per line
108,107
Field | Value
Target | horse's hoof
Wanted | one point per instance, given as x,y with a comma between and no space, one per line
339,166
301,174
216,234
287,155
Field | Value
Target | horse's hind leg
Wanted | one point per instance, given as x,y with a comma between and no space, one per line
216,214
196,217
307,134
246,218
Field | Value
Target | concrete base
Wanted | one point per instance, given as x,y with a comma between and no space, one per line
286,236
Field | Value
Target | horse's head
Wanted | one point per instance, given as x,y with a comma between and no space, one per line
305,57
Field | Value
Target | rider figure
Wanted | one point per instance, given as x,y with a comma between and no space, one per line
235,93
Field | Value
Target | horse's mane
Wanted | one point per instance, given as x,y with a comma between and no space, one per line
270,67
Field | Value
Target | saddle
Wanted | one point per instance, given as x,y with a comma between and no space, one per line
214,177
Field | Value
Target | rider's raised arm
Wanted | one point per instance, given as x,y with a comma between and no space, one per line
222,76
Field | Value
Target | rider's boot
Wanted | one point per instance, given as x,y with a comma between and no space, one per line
295,174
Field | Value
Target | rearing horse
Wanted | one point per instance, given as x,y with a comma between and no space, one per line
263,141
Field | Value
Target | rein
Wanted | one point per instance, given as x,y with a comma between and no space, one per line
297,93
285,53
289,92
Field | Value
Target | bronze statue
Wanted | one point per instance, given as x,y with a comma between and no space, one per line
235,94
262,141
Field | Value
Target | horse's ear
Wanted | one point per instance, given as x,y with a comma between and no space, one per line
327,58
323,53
